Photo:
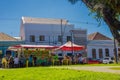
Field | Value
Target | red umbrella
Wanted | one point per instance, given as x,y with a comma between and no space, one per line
69,46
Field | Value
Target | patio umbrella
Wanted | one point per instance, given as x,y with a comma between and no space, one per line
69,46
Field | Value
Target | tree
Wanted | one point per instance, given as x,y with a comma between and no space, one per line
108,10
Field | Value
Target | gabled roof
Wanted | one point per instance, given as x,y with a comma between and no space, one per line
43,20
98,36
5,37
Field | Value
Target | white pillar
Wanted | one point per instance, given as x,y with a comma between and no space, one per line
103,49
97,53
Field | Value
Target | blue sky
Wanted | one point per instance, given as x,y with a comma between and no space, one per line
11,12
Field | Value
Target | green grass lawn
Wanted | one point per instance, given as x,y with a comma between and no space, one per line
47,73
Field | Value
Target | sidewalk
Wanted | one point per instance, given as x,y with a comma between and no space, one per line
98,69
94,68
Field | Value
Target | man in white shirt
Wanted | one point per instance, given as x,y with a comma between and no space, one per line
16,62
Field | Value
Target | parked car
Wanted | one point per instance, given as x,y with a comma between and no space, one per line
108,60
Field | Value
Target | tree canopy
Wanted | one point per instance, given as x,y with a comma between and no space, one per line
108,10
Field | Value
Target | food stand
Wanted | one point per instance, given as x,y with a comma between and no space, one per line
42,52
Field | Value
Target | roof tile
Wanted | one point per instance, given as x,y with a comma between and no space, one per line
98,36
5,37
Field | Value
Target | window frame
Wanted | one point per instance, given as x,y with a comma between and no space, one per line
69,38
107,54
59,38
100,53
94,53
41,38
32,38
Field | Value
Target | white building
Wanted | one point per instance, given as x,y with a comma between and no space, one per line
100,46
50,31
45,31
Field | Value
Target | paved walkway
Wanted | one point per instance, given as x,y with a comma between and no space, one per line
95,68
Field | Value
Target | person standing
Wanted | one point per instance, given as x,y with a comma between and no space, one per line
30,61
16,62
35,60
4,62
10,62
22,61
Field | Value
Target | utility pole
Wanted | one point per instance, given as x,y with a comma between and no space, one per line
71,32
61,32
72,41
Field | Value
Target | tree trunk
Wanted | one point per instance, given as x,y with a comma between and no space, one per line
108,16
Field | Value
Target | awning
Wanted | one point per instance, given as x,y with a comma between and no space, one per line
31,46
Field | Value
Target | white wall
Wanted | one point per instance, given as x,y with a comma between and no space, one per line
22,31
51,32
89,51
100,45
